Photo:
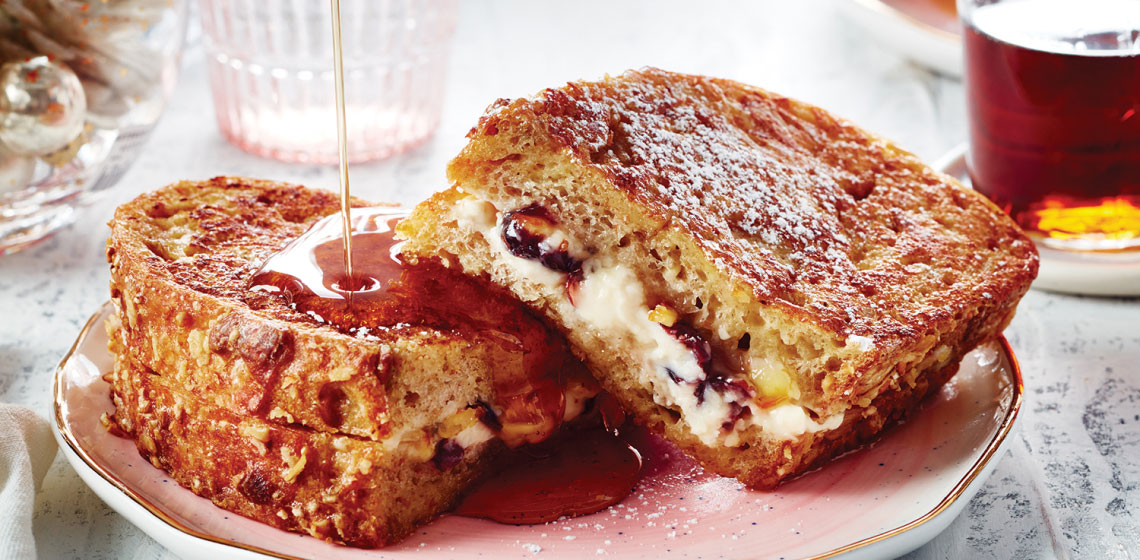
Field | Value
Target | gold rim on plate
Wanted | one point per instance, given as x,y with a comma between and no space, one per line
959,488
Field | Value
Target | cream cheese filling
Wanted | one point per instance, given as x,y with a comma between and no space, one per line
474,435
611,300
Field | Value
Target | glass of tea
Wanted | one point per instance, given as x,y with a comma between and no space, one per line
1053,98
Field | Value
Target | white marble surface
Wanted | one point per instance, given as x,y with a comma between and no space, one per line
1070,486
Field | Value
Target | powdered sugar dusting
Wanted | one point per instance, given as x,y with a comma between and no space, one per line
748,190
805,209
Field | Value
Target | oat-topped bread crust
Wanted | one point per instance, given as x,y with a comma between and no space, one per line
334,487
350,436
181,259
181,262
821,264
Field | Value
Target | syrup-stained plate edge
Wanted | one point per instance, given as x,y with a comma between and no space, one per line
1103,273
906,35
83,367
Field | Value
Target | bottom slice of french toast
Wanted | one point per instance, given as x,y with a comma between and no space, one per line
334,487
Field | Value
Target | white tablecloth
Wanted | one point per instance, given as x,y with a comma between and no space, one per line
1067,488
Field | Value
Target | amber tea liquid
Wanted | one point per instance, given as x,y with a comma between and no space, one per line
1053,94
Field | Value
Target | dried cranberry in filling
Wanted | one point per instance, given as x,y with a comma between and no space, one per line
525,229
688,336
719,383
525,233
736,411
714,380
447,454
723,385
560,260
573,283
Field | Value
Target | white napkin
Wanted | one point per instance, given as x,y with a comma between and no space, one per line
26,451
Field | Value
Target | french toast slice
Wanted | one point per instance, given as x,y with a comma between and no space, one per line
332,486
764,283
228,365
181,261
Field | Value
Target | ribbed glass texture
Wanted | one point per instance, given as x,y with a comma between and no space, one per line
271,74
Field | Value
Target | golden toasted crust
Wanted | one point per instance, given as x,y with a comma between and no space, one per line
219,384
333,487
793,242
181,258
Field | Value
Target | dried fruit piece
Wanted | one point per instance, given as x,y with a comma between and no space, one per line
487,415
688,336
774,386
447,454
531,233
456,423
573,283
664,315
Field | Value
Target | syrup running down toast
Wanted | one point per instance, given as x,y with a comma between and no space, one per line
765,284
244,373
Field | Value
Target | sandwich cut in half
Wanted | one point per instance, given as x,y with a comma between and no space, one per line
351,424
764,283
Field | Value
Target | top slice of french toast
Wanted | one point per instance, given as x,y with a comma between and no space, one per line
182,259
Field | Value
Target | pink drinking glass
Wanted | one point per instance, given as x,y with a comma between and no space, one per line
271,74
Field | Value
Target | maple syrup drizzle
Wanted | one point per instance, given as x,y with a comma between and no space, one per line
342,148
310,272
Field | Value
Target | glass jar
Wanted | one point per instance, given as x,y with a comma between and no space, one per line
82,84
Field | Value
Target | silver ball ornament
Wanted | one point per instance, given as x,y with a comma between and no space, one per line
42,106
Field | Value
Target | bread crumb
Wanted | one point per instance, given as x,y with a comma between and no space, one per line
277,412
294,463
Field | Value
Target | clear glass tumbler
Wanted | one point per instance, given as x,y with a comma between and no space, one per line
271,73
1053,97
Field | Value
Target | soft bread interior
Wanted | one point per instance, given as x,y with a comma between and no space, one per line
757,458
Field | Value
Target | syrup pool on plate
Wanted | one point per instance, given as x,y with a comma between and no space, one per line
578,472
1053,92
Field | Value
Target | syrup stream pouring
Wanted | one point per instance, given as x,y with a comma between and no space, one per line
342,151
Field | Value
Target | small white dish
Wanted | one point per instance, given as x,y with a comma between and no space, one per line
1095,273
879,502
921,30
